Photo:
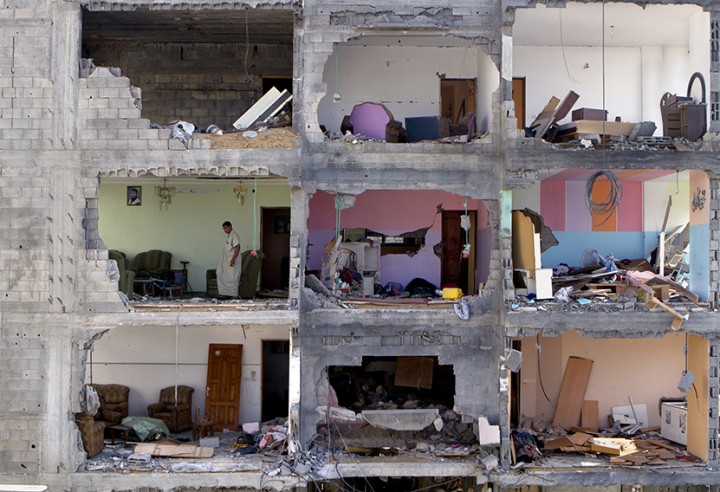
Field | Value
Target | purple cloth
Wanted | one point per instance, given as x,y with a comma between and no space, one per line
370,119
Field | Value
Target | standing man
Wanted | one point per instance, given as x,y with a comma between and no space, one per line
229,267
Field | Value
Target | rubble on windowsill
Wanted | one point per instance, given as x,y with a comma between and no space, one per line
610,303
206,303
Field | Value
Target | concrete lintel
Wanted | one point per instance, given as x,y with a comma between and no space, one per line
603,476
171,317
225,163
250,480
610,325
401,420
535,154
388,467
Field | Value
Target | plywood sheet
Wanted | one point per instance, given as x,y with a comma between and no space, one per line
698,408
414,372
572,392
523,242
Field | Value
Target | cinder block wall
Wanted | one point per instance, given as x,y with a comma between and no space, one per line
203,84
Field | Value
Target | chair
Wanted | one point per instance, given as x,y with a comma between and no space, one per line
251,266
125,282
114,402
177,415
153,263
91,433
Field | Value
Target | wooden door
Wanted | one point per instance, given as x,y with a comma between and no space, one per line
518,95
222,392
454,269
276,246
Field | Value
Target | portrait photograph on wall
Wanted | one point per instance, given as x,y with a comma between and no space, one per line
134,196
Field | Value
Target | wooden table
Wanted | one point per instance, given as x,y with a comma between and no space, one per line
117,431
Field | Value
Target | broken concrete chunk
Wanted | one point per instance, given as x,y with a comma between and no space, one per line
490,462
401,420
210,442
337,413
438,423
488,435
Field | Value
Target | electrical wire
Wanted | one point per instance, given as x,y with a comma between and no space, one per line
562,47
537,348
255,227
609,202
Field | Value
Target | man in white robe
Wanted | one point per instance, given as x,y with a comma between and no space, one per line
229,267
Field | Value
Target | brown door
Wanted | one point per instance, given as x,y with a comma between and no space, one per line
276,246
518,95
454,269
222,393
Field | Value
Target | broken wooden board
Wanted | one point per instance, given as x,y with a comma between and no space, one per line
173,450
615,446
572,391
677,317
584,127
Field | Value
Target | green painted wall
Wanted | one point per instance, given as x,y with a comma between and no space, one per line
191,226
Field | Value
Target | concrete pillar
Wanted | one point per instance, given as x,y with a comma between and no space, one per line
299,210
65,65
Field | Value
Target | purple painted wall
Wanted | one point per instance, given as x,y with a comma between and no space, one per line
395,212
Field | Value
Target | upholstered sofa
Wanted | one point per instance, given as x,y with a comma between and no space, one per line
251,266
91,433
177,415
125,282
114,402
153,263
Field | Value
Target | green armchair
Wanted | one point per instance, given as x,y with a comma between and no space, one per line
249,276
153,263
125,282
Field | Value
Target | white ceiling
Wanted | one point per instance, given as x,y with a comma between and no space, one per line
625,25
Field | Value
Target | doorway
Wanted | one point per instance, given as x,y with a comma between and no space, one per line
280,83
454,269
222,391
276,247
275,378
457,103
518,95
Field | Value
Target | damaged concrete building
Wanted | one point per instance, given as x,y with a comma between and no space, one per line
479,245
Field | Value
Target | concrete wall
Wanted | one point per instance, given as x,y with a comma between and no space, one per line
203,84
404,78
190,227
144,358
621,368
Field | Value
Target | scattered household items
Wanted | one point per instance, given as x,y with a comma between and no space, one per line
174,408
147,428
126,276
249,275
683,116
588,124
263,110
183,131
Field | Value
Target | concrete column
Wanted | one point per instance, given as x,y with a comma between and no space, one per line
714,82
299,210
65,60
713,422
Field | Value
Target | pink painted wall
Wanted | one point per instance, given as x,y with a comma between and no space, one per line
562,205
396,212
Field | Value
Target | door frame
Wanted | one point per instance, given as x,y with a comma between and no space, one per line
262,369
472,259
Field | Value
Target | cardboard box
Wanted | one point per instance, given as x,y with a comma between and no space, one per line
673,422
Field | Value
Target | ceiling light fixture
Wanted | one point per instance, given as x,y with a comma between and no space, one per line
164,194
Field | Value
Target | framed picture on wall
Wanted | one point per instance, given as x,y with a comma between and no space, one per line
134,196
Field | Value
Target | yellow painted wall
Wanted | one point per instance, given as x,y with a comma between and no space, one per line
698,407
644,369
191,227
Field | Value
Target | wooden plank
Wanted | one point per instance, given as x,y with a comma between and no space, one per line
589,417
615,446
572,391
